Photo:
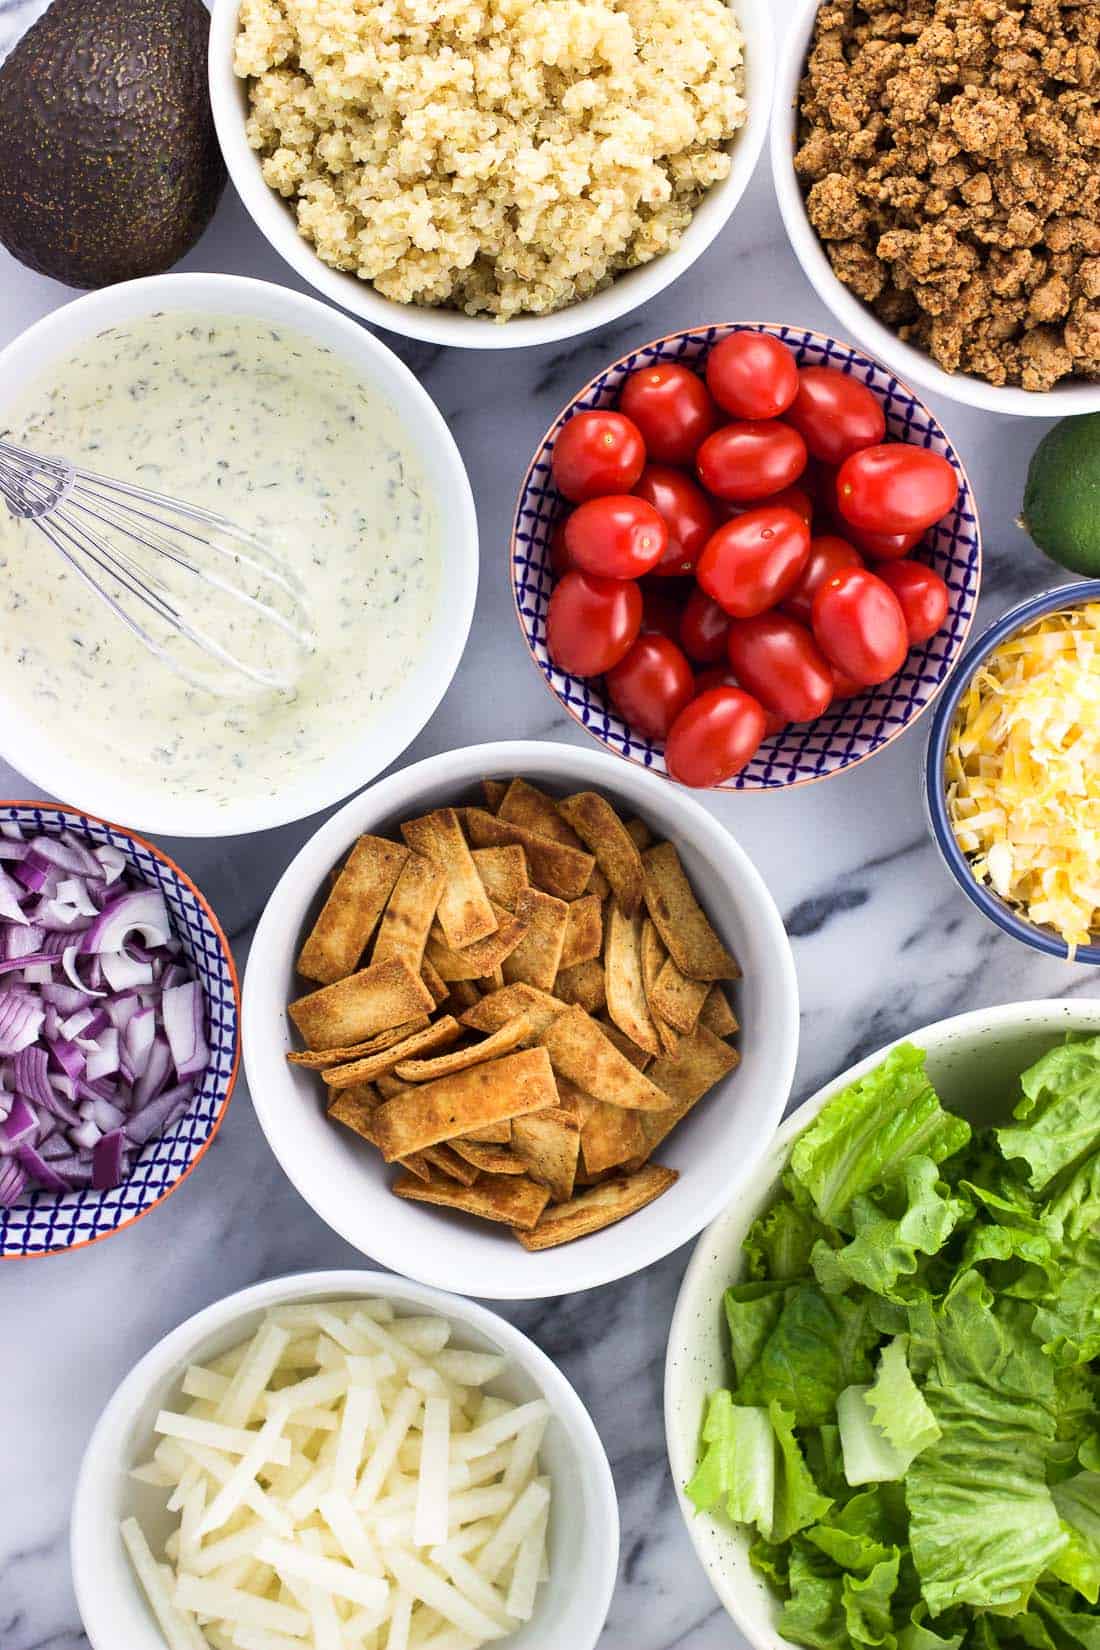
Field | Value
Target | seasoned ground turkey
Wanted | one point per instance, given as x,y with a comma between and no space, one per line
949,151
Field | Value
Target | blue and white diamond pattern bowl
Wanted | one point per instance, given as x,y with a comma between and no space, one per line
46,1221
861,726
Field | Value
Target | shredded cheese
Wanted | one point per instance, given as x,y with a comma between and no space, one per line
1023,773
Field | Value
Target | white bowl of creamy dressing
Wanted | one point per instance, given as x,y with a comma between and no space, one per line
296,423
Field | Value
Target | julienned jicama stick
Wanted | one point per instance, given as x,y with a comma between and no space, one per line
451,1106
514,1200
680,920
439,1034
383,995
553,867
464,912
580,1051
607,1203
348,917
600,828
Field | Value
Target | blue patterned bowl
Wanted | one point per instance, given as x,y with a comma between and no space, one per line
840,738
46,1221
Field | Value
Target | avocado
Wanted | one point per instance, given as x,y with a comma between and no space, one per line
109,165
1062,498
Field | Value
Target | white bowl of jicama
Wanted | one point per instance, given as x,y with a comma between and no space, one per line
512,1474
346,1181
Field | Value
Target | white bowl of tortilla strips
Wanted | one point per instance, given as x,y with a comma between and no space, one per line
516,1016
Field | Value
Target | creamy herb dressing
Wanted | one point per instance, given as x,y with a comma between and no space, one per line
272,430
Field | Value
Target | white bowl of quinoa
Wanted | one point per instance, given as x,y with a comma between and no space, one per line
937,165
490,173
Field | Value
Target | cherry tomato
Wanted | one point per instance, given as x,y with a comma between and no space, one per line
662,605
651,685
670,405
747,462
895,488
777,659
835,414
714,737
845,686
686,511
752,375
559,555
798,500
859,626
591,623
703,629
882,546
597,453
755,560
722,676
828,554
618,537
922,594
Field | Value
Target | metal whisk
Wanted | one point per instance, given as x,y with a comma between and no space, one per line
129,544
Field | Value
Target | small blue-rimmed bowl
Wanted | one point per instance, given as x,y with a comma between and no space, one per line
935,795
860,727
45,1222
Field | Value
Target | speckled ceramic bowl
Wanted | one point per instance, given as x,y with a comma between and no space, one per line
46,1222
973,1062
841,738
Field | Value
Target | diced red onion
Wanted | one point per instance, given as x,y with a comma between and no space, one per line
68,962
141,913
39,1170
183,1025
20,1021
122,971
13,1182
104,1061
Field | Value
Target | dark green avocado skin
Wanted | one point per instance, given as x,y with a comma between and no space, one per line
109,166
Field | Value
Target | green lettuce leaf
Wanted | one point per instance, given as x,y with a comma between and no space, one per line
817,1348
983,1525
1067,1321
737,1469
814,1613
777,1245
896,1403
752,1312
866,1531
1067,1623
893,1230
863,1137
798,1501
1058,1118
1078,1502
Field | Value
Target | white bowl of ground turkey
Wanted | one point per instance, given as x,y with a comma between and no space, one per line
437,168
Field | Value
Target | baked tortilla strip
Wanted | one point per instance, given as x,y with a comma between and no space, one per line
437,1035
579,1050
354,1108
493,791
680,920
388,1085
499,1008
348,917
493,1134
611,1201
639,833
475,961
487,1158
438,986
504,873
509,1037
403,931
622,962
654,957
417,1164
536,958
677,999
463,994
625,1045
611,1136
385,994
548,1143
434,1112
513,1199
583,931
600,828
448,1163
583,985
355,1051
464,912
717,1015
573,1099
526,805
700,1061
552,866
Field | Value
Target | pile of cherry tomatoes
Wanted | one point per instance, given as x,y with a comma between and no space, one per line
717,565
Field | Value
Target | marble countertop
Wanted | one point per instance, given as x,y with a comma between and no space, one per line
883,943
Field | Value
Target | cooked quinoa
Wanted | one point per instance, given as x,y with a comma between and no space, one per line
505,156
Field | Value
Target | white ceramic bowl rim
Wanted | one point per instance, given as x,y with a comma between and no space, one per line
95,1549
27,745
722,1549
457,1255
855,316
275,221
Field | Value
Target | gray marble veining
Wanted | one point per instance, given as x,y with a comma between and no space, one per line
883,943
